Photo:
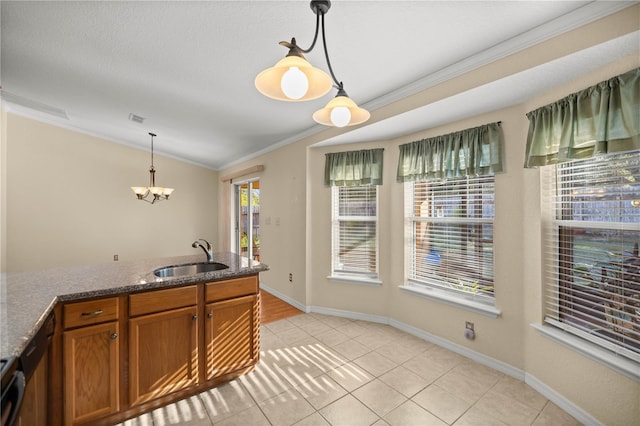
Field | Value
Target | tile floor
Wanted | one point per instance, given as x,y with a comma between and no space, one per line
324,370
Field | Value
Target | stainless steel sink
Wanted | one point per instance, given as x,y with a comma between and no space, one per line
188,269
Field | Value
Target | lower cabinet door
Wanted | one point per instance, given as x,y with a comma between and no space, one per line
163,353
231,335
91,372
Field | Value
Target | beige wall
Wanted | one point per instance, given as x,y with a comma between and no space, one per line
69,202
302,243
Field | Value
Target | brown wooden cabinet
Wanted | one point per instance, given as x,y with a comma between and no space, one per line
163,353
163,346
91,372
117,357
230,335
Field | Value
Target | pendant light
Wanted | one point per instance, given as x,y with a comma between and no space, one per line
159,193
294,79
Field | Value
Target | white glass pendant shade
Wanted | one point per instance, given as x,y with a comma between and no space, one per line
270,81
341,111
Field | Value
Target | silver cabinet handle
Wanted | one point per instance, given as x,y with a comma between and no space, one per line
195,317
210,315
92,314
113,336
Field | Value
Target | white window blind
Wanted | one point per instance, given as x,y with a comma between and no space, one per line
450,235
592,263
355,231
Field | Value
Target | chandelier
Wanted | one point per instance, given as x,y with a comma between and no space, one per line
294,79
159,193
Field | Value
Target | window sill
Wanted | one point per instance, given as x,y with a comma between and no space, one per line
449,299
354,280
622,365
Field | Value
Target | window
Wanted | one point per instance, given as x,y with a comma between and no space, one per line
355,232
450,236
593,265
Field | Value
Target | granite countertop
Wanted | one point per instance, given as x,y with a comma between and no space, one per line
26,298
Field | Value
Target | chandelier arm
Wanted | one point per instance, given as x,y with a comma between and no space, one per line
326,55
315,37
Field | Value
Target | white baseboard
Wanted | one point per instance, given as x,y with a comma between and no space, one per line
285,298
578,413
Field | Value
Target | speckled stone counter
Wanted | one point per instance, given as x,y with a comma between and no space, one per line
27,298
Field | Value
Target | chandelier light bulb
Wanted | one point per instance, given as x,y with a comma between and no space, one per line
340,116
294,83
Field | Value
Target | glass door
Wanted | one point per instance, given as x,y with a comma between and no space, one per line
247,227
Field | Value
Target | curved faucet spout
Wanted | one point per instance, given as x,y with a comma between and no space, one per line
206,247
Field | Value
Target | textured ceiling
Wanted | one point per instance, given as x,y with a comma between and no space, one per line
188,67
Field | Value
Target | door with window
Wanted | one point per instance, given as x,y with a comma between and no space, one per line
247,219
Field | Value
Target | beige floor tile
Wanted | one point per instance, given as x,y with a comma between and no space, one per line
424,367
264,382
441,403
332,337
380,422
348,411
379,397
400,351
188,412
375,363
287,408
444,358
373,339
316,327
411,414
506,409
552,415
521,392
333,321
226,400
404,381
252,416
351,329
462,386
293,335
321,391
478,372
300,320
351,349
350,376
476,417
279,326
313,420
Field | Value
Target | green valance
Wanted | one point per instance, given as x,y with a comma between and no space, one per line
351,168
471,152
602,119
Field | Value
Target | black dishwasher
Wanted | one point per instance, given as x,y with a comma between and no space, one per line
16,371
12,390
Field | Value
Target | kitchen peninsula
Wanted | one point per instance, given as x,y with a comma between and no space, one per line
125,340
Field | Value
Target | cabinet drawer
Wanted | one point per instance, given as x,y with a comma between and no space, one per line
90,312
162,300
227,289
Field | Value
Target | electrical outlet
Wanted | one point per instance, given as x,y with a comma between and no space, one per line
290,277
115,257
469,332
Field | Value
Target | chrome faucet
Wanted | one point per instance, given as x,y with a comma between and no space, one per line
208,249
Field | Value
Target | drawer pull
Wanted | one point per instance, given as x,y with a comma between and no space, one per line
195,317
92,314
210,315
113,336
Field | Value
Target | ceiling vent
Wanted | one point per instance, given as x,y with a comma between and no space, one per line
136,118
